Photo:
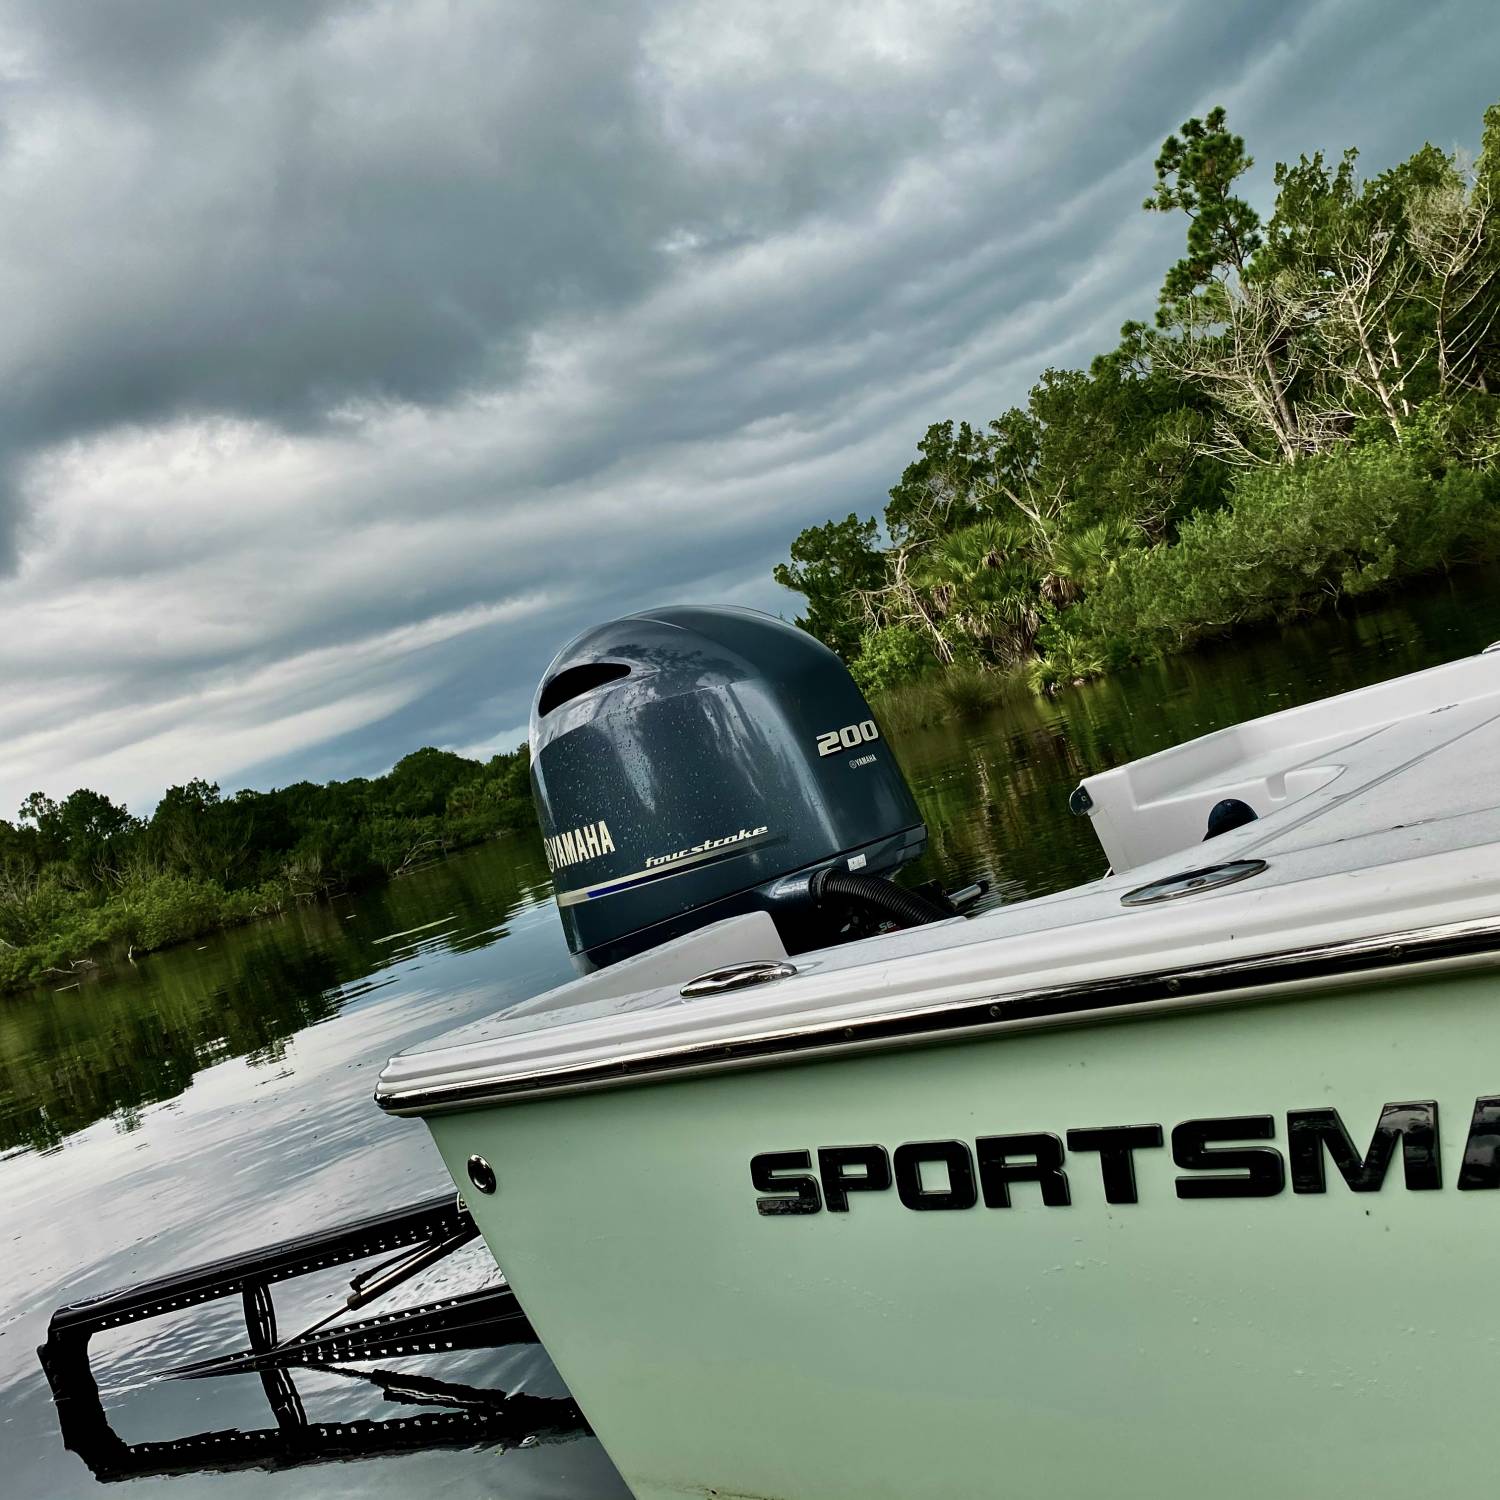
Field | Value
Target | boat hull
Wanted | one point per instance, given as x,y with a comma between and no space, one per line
1299,1342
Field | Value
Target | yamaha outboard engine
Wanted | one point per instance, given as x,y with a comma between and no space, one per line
691,764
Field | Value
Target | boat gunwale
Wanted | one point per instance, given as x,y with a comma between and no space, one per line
1388,956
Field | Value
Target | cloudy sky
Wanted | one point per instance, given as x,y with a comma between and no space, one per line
353,356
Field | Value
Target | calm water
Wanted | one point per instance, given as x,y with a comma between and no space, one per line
218,1097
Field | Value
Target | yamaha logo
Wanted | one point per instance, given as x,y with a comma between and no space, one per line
578,844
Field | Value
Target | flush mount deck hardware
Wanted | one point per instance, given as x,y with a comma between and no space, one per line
1192,882
736,977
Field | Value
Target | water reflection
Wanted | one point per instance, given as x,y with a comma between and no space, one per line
131,1039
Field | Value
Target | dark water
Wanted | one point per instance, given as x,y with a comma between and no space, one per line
218,1097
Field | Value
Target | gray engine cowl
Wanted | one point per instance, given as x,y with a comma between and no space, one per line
687,761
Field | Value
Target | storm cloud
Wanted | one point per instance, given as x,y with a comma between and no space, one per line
356,355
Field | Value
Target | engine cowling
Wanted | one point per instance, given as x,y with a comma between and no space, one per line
690,764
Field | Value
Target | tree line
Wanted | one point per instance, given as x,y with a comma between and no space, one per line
1314,413
83,880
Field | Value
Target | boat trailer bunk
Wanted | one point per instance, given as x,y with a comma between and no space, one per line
449,1414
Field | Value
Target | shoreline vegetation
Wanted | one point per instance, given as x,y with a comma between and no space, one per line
1313,416
84,885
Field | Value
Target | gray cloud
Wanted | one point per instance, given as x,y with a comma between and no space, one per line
358,354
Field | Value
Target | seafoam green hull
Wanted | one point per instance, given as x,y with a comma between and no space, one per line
1305,1345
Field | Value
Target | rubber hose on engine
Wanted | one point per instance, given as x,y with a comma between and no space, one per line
875,894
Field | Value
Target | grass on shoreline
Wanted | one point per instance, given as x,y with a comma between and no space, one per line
963,691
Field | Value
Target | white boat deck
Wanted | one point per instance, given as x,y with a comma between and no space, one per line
1379,815
1160,804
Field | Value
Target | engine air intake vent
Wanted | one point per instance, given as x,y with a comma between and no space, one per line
575,682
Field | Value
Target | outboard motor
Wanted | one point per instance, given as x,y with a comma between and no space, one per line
691,764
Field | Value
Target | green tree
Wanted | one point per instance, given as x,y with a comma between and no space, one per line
420,784
1195,173
949,483
1225,329
890,656
832,567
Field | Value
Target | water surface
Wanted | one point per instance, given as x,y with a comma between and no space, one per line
218,1096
